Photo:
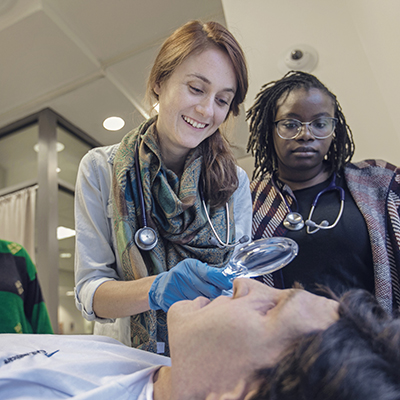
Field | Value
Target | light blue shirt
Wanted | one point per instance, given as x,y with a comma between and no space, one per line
79,367
96,258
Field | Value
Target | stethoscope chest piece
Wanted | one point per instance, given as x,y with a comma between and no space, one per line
146,238
293,221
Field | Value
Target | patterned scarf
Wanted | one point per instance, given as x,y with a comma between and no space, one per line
173,209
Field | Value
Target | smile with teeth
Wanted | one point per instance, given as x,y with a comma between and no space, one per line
195,124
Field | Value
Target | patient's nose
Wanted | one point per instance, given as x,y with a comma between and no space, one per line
240,287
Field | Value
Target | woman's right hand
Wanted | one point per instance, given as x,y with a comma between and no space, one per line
189,279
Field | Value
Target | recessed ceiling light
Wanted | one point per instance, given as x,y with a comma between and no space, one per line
59,146
113,123
65,255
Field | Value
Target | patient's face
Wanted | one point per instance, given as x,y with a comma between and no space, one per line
214,344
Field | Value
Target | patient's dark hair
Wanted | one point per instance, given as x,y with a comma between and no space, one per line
262,124
357,358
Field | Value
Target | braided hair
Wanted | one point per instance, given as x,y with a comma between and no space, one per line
262,124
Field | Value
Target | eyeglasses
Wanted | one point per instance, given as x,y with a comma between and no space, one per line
320,128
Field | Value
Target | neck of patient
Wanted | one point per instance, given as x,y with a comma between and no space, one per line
162,384
164,390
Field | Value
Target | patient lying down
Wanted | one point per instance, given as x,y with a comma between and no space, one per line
262,343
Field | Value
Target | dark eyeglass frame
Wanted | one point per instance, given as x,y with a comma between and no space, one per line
308,124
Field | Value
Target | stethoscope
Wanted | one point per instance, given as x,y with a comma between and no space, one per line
146,237
294,220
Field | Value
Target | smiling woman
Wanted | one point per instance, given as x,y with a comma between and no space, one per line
143,226
194,102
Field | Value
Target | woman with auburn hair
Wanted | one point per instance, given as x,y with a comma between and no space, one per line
159,215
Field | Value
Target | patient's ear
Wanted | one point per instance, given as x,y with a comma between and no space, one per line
242,391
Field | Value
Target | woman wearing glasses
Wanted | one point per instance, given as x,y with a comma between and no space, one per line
344,216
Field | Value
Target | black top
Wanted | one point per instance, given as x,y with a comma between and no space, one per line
340,258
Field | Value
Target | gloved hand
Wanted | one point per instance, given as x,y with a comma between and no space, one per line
187,280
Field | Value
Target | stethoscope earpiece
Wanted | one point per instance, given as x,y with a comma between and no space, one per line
313,224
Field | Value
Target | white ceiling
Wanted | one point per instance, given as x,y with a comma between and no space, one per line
87,59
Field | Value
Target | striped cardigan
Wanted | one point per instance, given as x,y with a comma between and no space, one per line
375,187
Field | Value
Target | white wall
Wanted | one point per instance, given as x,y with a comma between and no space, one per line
2,177
359,54
70,319
377,23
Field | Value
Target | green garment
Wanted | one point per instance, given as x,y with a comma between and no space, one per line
22,309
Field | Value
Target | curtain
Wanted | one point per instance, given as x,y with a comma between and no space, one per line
17,218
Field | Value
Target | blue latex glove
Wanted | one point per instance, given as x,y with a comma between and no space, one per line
187,280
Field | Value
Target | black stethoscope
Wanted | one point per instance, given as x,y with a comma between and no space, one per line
146,237
294,220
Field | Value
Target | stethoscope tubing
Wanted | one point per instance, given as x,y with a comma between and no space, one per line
140,186
150,236
203,202
309,222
